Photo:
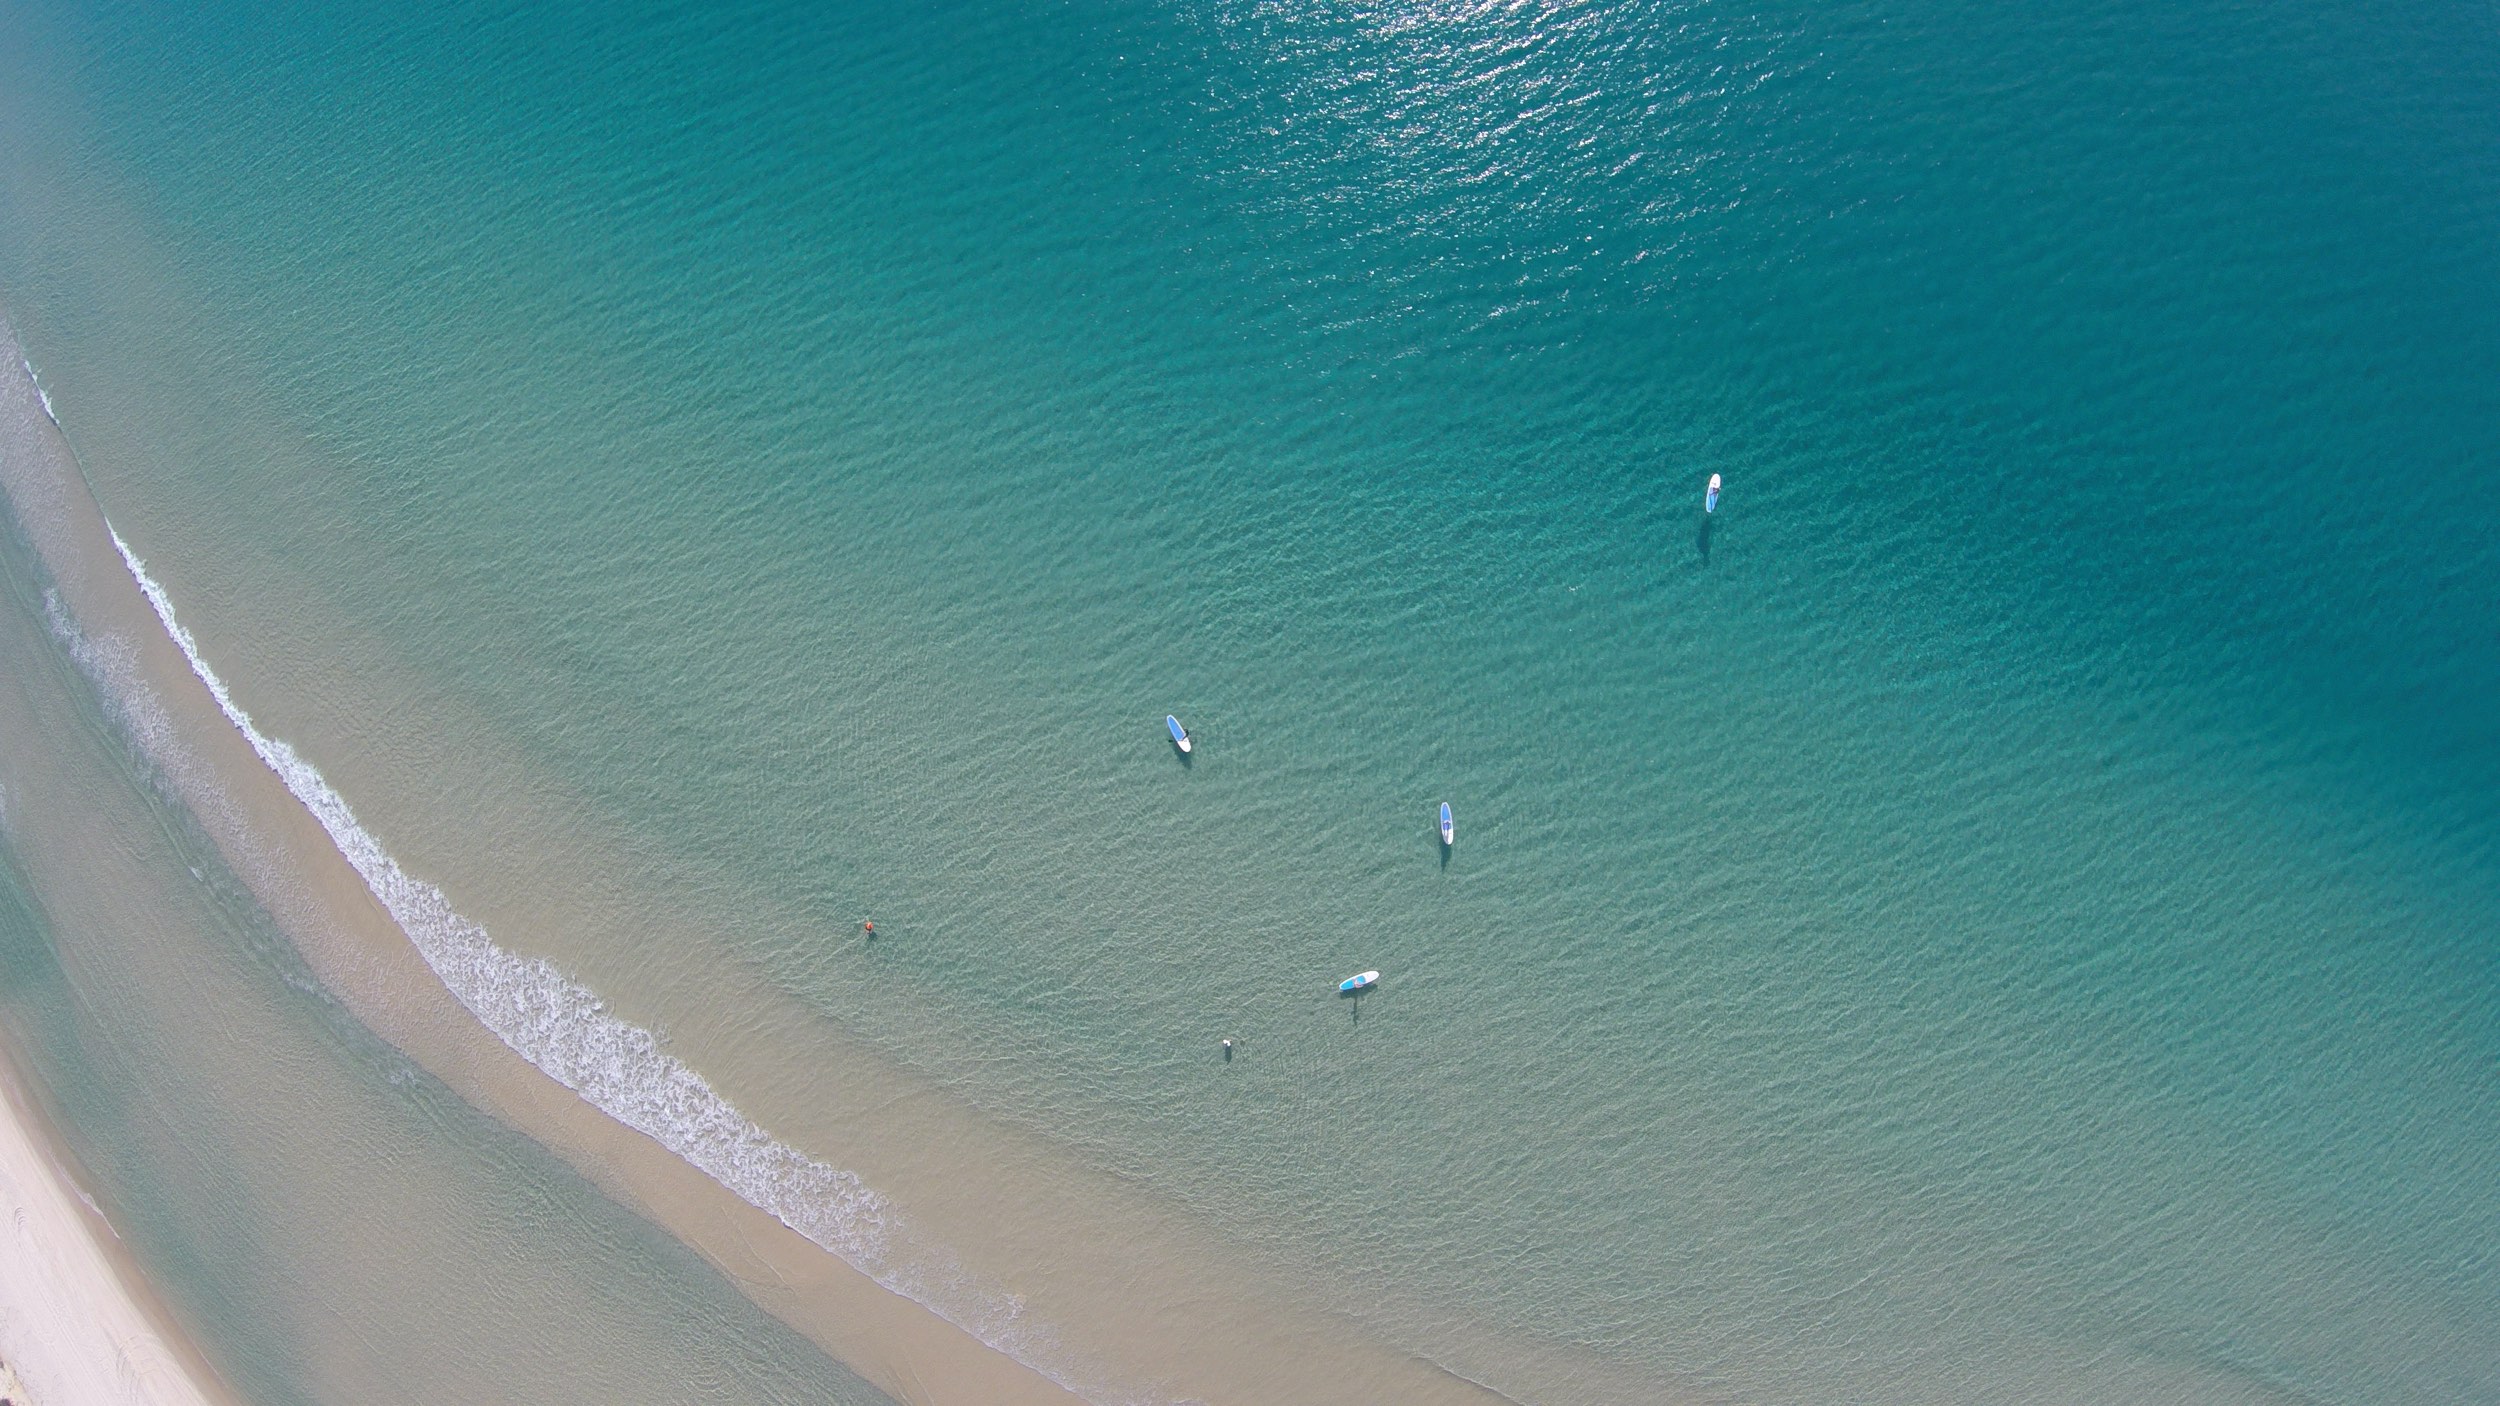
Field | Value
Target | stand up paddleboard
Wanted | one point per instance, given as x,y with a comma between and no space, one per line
1449,832
1180,738
1710,500
1353,984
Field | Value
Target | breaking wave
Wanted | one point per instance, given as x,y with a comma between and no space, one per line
41,394
566,1030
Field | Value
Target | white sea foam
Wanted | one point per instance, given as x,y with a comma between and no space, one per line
562,1027
114,667
40,394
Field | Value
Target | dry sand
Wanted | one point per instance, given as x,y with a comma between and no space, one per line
78,1326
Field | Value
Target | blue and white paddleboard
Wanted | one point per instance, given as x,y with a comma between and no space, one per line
1357,983
1449,832
1180,738
1710,500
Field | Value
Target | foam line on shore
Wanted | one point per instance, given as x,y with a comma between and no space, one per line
564,1029
41,395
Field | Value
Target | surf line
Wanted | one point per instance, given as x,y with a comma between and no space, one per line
566,1030
37,382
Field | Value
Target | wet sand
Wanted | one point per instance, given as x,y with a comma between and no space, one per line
78,1323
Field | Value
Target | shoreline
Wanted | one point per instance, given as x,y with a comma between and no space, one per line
360,954
1167,1320
78,1322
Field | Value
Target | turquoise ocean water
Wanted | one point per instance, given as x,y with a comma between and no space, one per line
2005,909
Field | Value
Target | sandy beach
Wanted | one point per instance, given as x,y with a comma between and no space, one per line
905,1350
77,1325
1198,1334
